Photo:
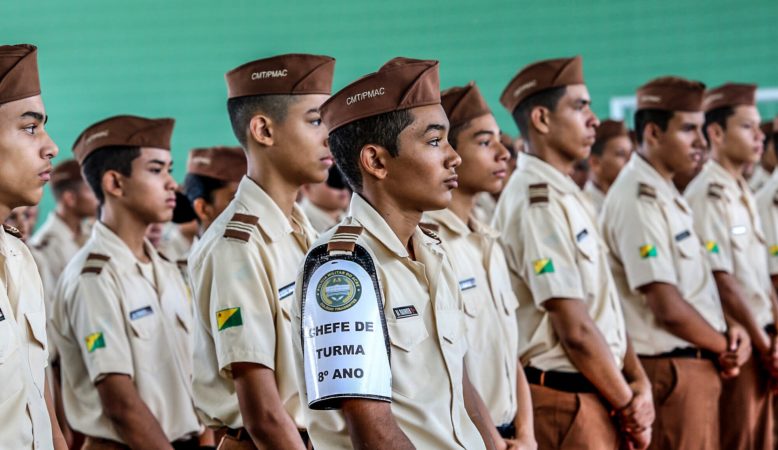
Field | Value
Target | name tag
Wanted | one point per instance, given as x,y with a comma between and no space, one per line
682,235
141,312
286,291
738,230
466,284
405,311
581,235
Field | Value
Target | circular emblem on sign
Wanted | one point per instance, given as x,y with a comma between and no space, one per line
338,291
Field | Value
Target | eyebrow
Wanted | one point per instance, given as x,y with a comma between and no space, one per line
480,132
36,115
312,110
434,127
160,162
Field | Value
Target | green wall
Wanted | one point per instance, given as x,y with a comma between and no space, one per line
168,57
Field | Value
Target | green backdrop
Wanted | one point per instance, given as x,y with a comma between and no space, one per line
168,57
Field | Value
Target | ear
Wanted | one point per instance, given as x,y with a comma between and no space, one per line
715,133
68,198
539,118
372,161
202,209
652,134
112,184
261,130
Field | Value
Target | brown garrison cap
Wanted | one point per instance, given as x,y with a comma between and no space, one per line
610,129
541,76
729,95
65,172
18,72
401,83
124,131
221,163
289,74
671,94
463,104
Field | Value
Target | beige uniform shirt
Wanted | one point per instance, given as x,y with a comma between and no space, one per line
649,229
554,250
767,205
595,195
758,178
484,207
490,309
173,244
110,318
427,345
243,273
24,419
320,220
727,221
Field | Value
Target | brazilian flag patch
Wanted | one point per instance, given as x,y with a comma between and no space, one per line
94,341
647,251
545,265
774,250
713,247
228,318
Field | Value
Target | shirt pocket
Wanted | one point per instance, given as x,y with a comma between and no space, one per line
451,326
409,372
37,353
10,368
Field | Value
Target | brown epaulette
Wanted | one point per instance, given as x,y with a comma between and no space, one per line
646,190
13,231
41,245
429,226
182,263
95,263
716,190
538,194
430,230
344,239
240,227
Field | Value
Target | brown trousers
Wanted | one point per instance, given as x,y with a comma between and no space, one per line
686,401
92,443
747,409
565,420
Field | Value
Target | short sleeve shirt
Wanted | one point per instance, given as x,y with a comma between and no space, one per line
243,274
649,229
595,195
767,205
554,250
427,348
24,418
108,318
727,221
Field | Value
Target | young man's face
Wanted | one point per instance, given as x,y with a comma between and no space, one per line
26,151
572,124
614,157
328,198
484,159
85,202
682,145
300,149
743,140
150,190
423,174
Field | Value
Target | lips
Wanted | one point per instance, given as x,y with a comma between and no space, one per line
171,202
452,182
500,173
45,175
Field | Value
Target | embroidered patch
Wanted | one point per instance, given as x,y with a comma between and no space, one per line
141,312
94,341
545,265
712,247
466,284
228,318
339,290
716,190
538,193
645,190
682,235
286,291
581,235
647,251
774,250
405,311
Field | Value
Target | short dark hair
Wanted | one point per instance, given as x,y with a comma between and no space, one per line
242,109
199,186
548,98
719,116
347,142
117,157
65,186
643,117
453,134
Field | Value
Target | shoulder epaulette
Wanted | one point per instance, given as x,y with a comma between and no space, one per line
646,190
182,263
429,226
344,239
716,190
538,193
41,245
240,227
95,263
428,231
13,231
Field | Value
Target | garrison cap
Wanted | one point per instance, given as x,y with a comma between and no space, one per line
541,76
610,129
131,131
729,95
18,72
401,83
65,172
671,94
463,103
221,163
290,74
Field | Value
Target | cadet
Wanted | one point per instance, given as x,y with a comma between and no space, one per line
572,337
324,204
671,305
377,289
122,321
244,267
492,360
27,419
726,219
766,166
610,152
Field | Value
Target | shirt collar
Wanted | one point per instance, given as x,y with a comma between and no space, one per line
560,181
721,175
112,245
664,187
272,220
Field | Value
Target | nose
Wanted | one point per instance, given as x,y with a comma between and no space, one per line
453,158
502,152
595,121
50,149
699,141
